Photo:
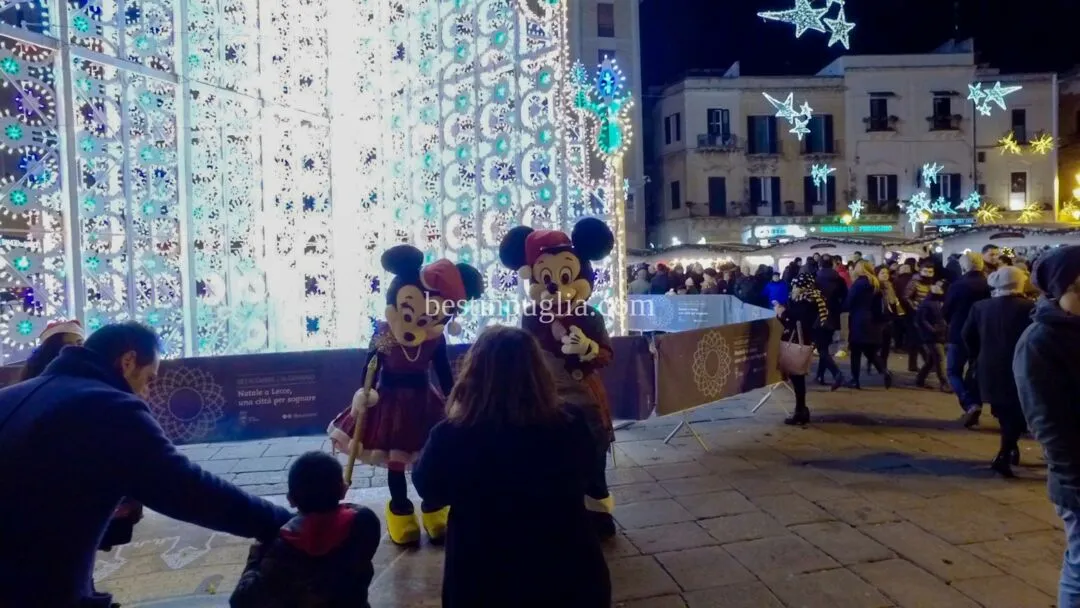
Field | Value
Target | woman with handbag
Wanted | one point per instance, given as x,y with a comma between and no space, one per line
806,315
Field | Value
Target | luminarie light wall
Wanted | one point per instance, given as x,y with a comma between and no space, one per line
228,171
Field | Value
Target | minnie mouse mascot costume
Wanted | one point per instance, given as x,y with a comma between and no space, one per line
572,334
403,406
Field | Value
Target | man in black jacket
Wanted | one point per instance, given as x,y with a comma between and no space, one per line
1047,369
833,289
76,440
962,295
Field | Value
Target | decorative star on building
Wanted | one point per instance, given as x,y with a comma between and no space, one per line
971,203
855,207
988,214
1043,144
942,207
784,109
918,209
805,110
820,174
1009,144
803,16
840,29
800,128
976,93
930,172
997,94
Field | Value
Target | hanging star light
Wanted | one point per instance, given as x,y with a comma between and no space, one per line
997,94
971,203
840,29
784,109
803,16
820,174
930,172
856,209
800,128
918,209
1043,144
976,93
942,207
1032,213
1009,144
988,214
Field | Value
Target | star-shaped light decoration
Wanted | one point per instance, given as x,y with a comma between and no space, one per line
840,29
971,203
988,214
930,172
803,16
800,128
942,207
856,209
976,93
1032,213
918,209
784,109
820,174
997,94
1009,144
1043,144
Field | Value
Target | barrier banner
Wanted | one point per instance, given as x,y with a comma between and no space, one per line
667,313
244,397
695,368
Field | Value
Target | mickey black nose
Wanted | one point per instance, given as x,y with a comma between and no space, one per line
552,287
409,336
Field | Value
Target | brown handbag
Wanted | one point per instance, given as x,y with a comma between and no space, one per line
796,357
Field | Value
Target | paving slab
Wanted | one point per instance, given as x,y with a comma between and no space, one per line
639,577
931,553
741,595
1004,592
695,485
791,509
843,543
652,513
671,537
742,527
827,589
780,556
704,568
716,504
910,586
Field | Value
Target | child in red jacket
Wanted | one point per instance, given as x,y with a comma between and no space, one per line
322,557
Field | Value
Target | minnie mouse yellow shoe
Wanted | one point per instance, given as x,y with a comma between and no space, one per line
403,529
435,524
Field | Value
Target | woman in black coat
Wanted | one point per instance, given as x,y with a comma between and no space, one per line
865,306
806,313
991,332
514,467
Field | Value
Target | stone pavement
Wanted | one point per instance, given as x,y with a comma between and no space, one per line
883,501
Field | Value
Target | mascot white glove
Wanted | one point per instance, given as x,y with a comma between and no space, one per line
362,400
575,342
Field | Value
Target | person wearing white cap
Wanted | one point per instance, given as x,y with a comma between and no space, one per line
52,340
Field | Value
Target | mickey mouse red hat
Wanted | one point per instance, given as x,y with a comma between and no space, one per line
62,327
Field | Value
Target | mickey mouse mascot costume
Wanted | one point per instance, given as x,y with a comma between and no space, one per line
573,335
403,406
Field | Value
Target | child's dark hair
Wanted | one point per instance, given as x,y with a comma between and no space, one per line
315,481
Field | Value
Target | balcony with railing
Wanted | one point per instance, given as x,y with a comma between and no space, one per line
719,142
827,148
881,124
945,122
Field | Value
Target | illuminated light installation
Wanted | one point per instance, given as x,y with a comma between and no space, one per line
918,209
820,174
839,29
982,98
942,206
1032,212
239,169
988,214
856,208
971,203
1043,144
1009,144
930,173
799,119
803,16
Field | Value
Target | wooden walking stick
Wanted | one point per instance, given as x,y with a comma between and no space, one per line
358,426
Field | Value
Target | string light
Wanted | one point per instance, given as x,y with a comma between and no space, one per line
856,208
1032,212
995,95
930,173
971,203
1009,144
942,207
799,119
988,214
918,209
803,16
820,174
840,29
1043,144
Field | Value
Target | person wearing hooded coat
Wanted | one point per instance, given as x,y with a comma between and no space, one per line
990,333
1046,365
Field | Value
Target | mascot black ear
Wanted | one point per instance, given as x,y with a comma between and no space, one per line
473,281
592,239
403,261
512,251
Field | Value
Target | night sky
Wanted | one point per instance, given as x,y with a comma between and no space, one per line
1014,36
